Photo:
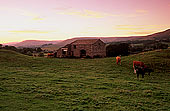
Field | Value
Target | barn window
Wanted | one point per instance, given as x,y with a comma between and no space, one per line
74,46
63,52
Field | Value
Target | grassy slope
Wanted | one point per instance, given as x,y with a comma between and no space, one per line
28,83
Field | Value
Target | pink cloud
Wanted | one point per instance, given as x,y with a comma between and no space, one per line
141,11
28,31
87,13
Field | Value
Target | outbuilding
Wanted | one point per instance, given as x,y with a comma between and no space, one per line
83,48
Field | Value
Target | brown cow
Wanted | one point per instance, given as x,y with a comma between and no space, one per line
118,60
139,64
140,68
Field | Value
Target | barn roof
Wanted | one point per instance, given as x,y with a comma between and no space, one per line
85,41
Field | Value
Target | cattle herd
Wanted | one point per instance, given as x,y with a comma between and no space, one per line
138,67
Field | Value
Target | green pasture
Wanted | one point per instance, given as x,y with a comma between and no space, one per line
52,84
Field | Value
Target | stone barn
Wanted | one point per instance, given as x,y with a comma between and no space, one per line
83,48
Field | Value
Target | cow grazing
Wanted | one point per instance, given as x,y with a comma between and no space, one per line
139,64
140,68
118,60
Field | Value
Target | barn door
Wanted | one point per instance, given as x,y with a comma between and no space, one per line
82,53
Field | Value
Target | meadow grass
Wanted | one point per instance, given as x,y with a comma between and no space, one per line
50,84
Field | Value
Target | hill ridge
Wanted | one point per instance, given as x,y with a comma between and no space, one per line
38,43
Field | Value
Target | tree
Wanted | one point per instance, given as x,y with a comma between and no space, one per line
41,54
38,49
29,53
162,46
117,49
10,48
1,46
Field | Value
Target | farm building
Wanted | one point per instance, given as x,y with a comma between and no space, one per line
83,48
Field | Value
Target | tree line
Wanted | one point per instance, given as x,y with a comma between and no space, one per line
26,51
124,49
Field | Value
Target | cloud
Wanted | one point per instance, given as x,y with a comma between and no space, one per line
134,15
21,12
128,27
38,18
32,15
62,8
142,11
137,13
29,31
136,27
86,13
140,33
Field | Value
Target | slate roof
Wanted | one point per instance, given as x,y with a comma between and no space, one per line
85,41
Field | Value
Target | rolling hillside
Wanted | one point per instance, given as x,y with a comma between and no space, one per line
28,83
164,35
33,43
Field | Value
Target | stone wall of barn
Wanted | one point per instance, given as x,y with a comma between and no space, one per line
79,47
59,53
99,49
93,50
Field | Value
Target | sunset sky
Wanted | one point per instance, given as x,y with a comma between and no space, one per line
62,19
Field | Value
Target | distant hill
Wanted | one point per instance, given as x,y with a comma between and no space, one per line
33,43
11,43
165,35
157,36
104,39
54,45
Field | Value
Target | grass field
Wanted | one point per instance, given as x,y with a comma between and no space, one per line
51,84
